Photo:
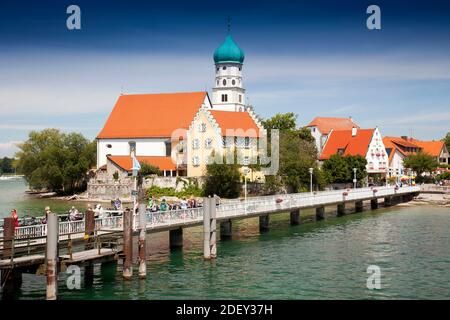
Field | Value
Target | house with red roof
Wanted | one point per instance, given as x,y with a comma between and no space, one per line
398,148
179,132
367,143
322,126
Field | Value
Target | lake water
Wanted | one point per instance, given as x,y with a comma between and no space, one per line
315,260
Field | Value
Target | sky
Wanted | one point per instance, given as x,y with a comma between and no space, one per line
313,58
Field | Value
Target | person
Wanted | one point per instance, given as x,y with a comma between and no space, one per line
47,211
193,202
15,217
183,204
117,204
163,206
217,199
73,214
150,202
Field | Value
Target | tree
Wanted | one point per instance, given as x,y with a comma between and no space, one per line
339,169
56,161
223,180
282,122
420,162
447,140
298,153
6,165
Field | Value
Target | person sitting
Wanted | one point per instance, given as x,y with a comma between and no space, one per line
73,214
183,204
117,204
164,206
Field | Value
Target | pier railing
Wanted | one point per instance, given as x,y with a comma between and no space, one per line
113,220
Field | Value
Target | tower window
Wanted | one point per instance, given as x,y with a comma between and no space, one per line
217,69
233,82
224,98
240,68
224,68
240,98
224,82
218,82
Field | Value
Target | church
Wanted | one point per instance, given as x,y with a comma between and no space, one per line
180,132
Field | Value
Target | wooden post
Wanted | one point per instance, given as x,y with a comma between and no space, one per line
341,209
213,215
359,207
52,256
176,238
374,204
226,229
264,223
295,217
320,213
207,228
142,242
128,244
8,236
89,228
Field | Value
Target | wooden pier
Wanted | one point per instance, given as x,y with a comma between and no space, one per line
55,246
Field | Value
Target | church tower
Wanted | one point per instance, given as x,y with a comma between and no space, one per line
228,90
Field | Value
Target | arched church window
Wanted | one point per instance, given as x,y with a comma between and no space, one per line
217,82
233,82
240,68
224,82
224,68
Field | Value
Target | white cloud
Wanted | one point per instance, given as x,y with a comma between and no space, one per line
8,149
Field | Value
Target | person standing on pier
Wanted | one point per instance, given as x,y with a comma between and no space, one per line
15,217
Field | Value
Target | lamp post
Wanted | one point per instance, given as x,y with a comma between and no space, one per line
354,177
311,170
246,170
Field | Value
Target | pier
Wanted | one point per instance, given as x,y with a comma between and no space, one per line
50,248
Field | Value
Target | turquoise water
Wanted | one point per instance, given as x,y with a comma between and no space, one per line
322,260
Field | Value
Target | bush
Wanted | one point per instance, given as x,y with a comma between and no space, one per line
170,192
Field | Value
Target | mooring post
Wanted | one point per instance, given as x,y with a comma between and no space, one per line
359,207
10,279
128,244
374,204
89,228
264,223
52,255
8,236
206,228
226,229
213,216
341,209
176,238
142,242
320,213
295,217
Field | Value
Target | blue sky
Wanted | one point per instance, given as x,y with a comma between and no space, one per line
313,58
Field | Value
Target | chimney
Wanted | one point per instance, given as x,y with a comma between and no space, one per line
354,131
404,138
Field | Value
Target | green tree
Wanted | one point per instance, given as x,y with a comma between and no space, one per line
298,153
56,161
447,140
6,165
420,162
282,122
339,169
223,180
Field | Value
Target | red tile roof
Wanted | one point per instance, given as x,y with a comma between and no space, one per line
433,148
151,115
326,124
239,121
343,139
393,143
126,163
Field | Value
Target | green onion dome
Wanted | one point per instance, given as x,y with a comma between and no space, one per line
229,51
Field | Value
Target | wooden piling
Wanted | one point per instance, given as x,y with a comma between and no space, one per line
52,256
341,209
374,204
295,217
226,229
209,228
176,238
128,244
89,229
142,243
359,207
387,201
320,213
8,237
264,223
